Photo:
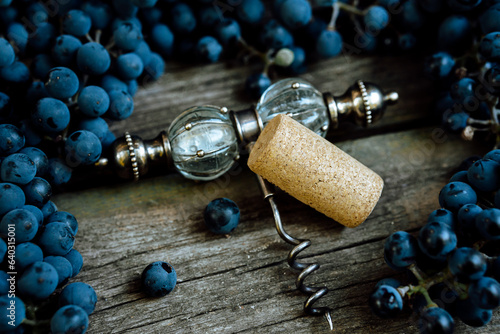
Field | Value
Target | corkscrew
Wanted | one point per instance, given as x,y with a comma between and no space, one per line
284,136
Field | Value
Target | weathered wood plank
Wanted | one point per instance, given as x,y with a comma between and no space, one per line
242,284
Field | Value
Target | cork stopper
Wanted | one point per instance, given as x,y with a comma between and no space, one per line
315,171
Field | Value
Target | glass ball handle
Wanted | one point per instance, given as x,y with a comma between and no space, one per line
131,157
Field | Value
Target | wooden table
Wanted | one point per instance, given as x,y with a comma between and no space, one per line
242,283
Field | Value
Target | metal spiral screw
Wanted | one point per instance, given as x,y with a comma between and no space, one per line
314,293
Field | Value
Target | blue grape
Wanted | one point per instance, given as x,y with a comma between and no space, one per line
39,158
488,21
38,281
15,73
18,168
250,11
158,279
208,16
27,253
11,197
76,23
80,294
256,84
435,320
62,266
407,41
36,212
208,49
7,54
18,35
37,13
41,65
386,302
64,217
75,258
437,240
129,66
454,34
97,126
295,13
48,209
132,87
11,139
376,18
121,105
93,59
485,293
69,319
488,224
472,315
484,175
400,250
110,83
275,36
65,49
467,264
454,195
329,44
38,192
493,155
58,172
24,223
154,70
42,39
467,217
460,177
93,101
8,304
463,91
439,65
62,83
228,31
50,115
489,48
56,239
82,148
125,8
298,65
100,13
144,52
443,216
221,216
127,36
457,122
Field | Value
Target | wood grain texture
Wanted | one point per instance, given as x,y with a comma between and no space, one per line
242,283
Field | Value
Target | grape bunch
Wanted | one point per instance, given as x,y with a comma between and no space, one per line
453,262
37,257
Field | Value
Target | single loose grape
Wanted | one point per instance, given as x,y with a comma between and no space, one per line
221,216
158,279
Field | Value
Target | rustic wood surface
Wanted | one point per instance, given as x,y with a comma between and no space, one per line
242,283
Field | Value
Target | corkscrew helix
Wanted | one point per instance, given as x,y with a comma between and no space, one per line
314,293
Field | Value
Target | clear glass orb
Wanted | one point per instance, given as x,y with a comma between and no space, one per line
298,99
203,142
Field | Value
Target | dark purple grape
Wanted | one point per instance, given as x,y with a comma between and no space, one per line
455,195
488,224
467,217
11,139
121,104
39,158
472,315
221,216
93,101
69,319
97,126
467,264
18,168
489,48
439,65
65,49
297,13
11,197
38,192
388,281
400,250
38,281
437,240
56,239
443,216
22,221
93,59
58,172
82,148
7,54
250,11
329,44
27,253
484,175
75,258
80,294
50,115
228,32
386,302
485,293
182,19
129,66
208,49
76,23
435,320
62,266
158,279
454,34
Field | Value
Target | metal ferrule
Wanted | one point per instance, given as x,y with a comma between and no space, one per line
248,125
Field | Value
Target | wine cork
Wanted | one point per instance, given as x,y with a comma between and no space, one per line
315,171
